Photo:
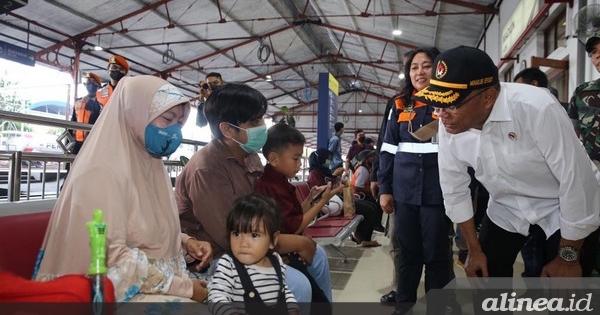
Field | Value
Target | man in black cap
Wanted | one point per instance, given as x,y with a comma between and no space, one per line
524,151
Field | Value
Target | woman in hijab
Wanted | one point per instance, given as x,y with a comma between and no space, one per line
319,174
120,171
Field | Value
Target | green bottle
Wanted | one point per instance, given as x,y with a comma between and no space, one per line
97,271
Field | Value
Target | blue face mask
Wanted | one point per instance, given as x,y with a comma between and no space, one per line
257,137
162,141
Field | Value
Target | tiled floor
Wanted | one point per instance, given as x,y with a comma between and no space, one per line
368,273
366,276
342,271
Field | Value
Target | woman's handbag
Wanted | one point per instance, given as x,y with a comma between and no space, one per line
349,209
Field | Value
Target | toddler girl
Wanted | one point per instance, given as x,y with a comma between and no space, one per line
251,278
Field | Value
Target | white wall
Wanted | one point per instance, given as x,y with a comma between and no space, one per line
534,45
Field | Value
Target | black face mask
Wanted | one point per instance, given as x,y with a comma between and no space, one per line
361,139
91,88
116,75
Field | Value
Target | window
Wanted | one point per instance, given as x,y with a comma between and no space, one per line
559,79
555,34
507,76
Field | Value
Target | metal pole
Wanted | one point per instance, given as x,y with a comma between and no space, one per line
28,190
14,176
68,105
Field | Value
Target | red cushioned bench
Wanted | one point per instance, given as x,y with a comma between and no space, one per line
22,228
329,231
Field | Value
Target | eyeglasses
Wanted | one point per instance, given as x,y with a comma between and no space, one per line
452,109
114,66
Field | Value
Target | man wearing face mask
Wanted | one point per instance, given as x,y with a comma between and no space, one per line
86,109
357,146
117,69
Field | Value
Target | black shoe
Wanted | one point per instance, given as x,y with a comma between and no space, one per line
379,228
388,299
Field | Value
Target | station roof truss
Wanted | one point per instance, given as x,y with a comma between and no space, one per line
277,47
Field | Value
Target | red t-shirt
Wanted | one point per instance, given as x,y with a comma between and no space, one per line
275,185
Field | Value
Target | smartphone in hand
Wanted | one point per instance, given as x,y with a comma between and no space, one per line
318,197
333,180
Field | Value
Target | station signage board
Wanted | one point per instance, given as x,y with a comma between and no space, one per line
17,54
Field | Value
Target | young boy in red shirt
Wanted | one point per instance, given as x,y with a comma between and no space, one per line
283,151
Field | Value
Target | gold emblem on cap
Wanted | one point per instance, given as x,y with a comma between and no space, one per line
512,136
450,85
447,97
112,60
441,69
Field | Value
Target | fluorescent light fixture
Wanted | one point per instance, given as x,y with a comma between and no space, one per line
397,32
268,78
98,47
401,76
360,110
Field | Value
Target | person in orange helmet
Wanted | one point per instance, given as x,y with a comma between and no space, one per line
117,69
86,110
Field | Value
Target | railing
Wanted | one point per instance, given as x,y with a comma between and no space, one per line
49,162
50,166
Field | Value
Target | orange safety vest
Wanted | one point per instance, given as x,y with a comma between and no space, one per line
103,94
83,116
355,177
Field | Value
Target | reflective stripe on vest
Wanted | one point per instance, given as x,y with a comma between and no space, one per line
103,94
412,147
389,148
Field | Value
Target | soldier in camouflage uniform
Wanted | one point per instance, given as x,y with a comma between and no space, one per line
584,111
584,108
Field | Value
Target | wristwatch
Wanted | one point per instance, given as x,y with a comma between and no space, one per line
568,253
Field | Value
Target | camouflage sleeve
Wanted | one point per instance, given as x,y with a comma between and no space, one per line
572,109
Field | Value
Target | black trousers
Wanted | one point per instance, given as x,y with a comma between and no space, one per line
502,247
364,230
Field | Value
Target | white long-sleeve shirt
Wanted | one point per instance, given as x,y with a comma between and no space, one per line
530,160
